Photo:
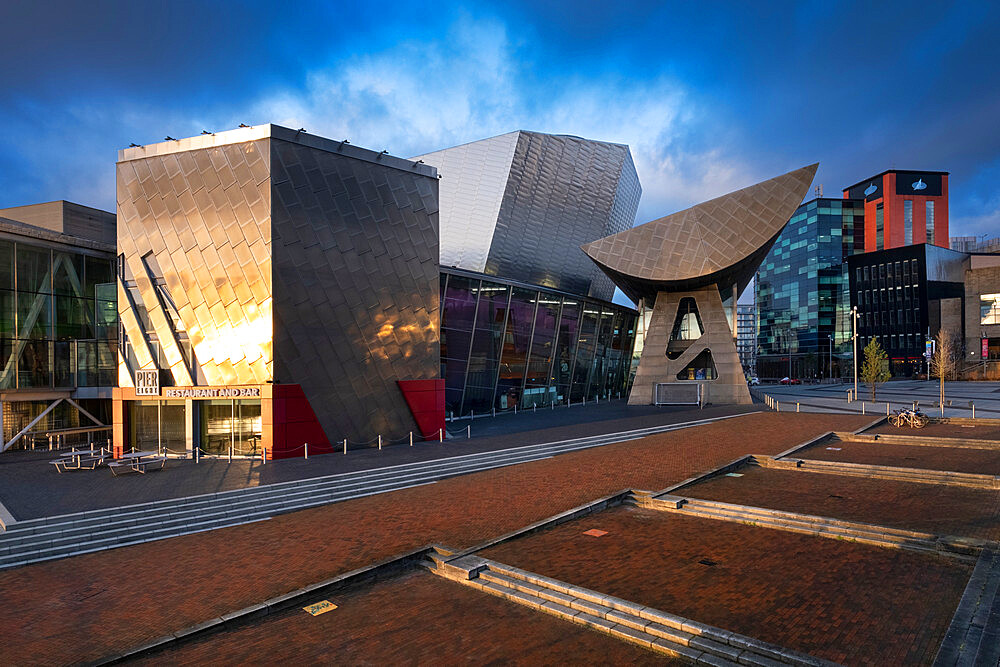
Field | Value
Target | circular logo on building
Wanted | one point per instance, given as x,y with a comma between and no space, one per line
870,189
919,185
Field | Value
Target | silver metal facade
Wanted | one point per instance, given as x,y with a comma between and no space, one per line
267,255
558,193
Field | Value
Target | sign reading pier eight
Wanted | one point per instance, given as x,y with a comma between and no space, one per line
212,392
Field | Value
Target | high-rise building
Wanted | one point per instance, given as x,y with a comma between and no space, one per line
802,299
903,208
746,337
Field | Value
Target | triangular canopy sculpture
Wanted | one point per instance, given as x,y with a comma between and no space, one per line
697,253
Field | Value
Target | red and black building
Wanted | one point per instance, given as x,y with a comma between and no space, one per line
903,208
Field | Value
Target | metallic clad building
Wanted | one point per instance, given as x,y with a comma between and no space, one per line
520,205
690,267
297,273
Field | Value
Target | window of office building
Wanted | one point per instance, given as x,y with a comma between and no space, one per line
930,222
989,309
879,227
907,221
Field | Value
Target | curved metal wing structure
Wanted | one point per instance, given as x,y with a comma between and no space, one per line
690,267
721,241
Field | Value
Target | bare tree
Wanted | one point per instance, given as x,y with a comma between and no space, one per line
944,362
875,368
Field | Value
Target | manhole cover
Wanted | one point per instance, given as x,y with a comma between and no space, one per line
593,532
707,562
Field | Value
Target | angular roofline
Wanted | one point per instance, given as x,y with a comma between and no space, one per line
270,131
896,171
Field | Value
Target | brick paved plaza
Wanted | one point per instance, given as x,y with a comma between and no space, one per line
957,459
846,602
190,579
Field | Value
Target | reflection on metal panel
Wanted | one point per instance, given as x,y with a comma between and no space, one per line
473,180
520,205
561,194
198,213
356,286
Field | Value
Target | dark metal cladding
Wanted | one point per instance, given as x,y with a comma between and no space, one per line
356,286
562,192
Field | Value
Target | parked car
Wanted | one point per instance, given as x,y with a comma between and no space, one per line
754,381
788,380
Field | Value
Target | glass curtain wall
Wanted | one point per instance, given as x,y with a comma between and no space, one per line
505,345
58,318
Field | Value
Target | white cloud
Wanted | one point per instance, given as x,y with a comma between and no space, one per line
476,82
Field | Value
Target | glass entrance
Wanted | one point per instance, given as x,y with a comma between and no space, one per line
230,423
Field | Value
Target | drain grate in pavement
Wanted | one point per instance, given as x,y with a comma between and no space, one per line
707,562
593,532
834,495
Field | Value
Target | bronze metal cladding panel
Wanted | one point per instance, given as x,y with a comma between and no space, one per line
562,192
356,286
199,213
698,244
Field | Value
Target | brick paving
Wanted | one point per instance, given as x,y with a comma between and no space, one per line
847,602
978,461
932,508
979,432
414,618
29,488
186,580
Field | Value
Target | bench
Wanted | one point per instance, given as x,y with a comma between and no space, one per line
78,460
139,465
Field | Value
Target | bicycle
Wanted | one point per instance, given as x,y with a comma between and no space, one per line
911,418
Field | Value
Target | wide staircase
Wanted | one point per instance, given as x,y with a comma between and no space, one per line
650,628
65,535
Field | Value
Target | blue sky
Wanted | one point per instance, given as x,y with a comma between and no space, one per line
710,96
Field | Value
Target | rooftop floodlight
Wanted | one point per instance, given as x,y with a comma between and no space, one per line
169,138
379,157
133,145
417,162
244,125
207,132
341,146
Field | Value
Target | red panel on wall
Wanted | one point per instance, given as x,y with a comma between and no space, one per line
295,424
426,401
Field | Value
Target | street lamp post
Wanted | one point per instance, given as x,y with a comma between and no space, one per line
831,356
854,339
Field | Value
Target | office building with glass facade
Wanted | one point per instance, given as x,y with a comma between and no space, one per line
58,324
904,297
506,343
802,292
746,337
903,208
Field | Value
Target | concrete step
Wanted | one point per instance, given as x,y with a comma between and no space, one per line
918,475
964,549
653,629
973,637
69,534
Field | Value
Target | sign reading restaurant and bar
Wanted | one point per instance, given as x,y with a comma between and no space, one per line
211,392
147,383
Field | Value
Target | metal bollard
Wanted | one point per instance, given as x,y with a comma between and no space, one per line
777,406
472,414
197,450
263,455
468,432
886,409
973,409
796,406
411,438
307,449
380,442
515,408
862,407
440,435
345,446
534,408
494,412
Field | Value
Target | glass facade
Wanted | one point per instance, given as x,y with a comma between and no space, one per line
930,222
803,292
907,221
58,317
506,344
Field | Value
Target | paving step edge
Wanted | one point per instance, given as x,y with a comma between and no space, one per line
581,443
652,628
959,547
137,518
917,475
913,440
